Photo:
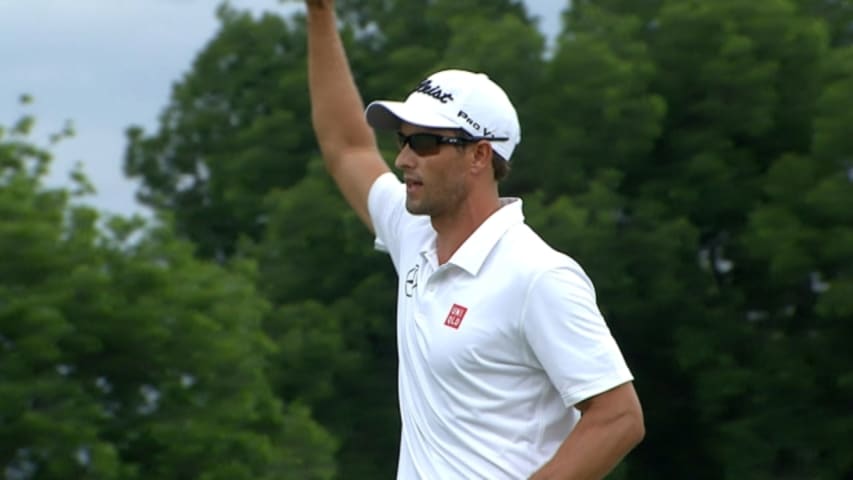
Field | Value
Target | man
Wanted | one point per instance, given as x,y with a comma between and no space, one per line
506,368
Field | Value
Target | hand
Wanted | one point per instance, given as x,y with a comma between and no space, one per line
313,4
320,4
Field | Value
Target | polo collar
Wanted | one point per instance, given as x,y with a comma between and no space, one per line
473,252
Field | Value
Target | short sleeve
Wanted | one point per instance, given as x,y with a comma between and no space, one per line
386,203
569,337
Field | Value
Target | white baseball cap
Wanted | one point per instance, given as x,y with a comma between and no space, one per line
454,99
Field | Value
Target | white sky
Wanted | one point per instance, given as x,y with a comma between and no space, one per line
109,64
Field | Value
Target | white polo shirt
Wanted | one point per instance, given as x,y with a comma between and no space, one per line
495,346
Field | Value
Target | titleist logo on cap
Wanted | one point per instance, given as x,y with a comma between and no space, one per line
434,91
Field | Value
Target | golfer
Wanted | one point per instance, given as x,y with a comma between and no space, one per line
507,369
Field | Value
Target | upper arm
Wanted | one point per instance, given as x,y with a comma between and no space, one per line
568,336
617,409
617,401
355,171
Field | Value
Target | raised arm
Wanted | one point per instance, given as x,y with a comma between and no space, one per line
347,142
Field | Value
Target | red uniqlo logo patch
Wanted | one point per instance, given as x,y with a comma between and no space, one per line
454,318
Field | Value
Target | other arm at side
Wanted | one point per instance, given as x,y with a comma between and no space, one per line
611,425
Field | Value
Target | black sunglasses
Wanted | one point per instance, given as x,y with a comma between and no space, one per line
425,144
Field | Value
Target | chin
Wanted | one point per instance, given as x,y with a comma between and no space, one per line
416,209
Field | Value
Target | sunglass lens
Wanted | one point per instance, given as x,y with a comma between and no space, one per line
423,143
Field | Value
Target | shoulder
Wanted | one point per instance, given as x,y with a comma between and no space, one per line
539,267
533,254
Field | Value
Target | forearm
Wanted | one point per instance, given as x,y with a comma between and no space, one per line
594,448
337,109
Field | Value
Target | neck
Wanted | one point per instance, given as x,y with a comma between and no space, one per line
453,228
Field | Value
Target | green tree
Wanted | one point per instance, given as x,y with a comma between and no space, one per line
800,242
333,321
596,109
236,126
749,162
124,357
838,15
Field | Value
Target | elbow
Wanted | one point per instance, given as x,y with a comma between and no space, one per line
636,430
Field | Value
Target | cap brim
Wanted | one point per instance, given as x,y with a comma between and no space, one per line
387,115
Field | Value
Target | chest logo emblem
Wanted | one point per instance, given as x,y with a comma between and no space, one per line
454,318
412,281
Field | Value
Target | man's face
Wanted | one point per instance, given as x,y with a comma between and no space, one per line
436,182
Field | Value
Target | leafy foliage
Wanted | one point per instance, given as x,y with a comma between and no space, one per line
124,356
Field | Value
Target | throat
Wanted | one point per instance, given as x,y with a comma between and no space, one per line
450,236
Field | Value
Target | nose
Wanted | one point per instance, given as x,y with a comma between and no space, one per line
405,159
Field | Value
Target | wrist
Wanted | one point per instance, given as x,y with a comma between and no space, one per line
318,5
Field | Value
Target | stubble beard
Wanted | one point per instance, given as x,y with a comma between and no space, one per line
438,202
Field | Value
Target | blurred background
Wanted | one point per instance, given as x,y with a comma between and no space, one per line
185,295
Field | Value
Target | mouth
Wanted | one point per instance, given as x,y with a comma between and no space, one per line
413,185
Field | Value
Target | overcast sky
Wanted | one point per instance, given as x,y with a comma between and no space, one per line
109,64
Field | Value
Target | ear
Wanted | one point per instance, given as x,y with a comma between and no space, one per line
482,162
